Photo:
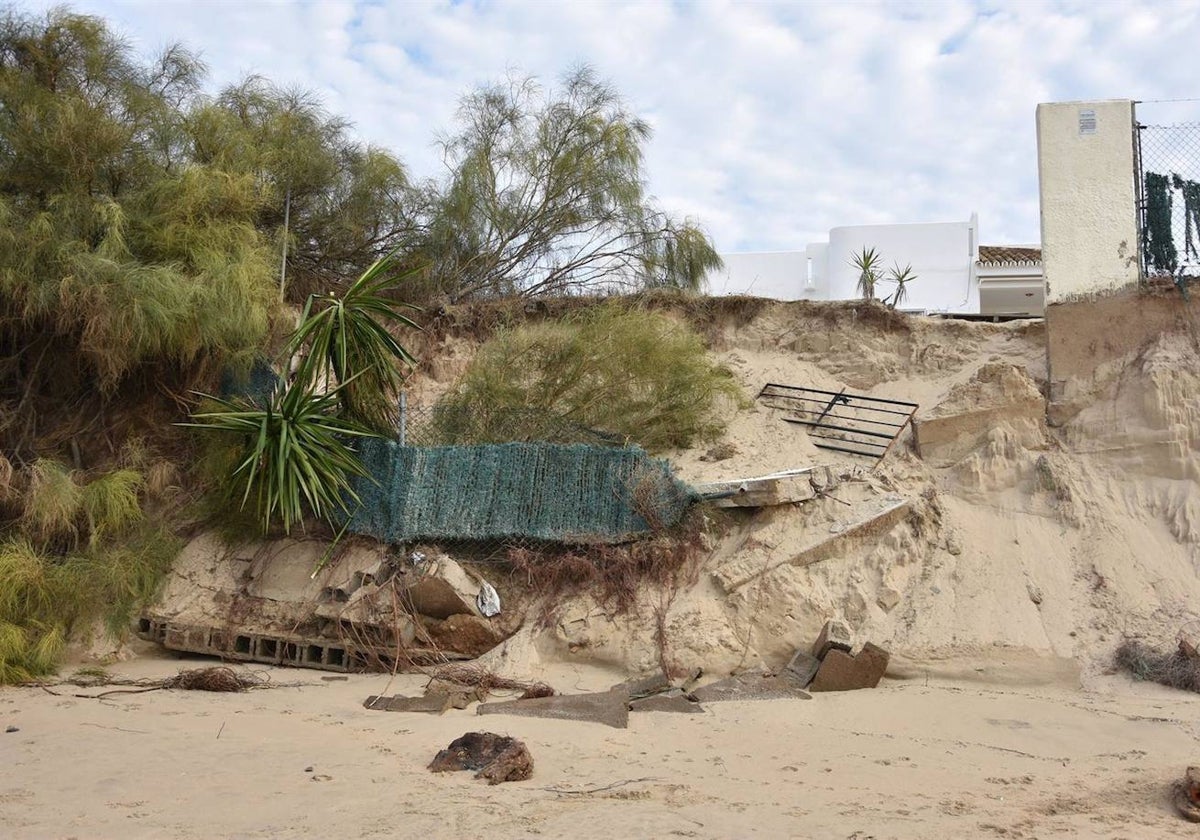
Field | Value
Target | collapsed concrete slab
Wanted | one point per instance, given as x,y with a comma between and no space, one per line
673,700
434,704
752,685
610,708
781,488
862,520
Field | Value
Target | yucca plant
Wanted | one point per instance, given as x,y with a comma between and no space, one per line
348,344
296,456
901,277
867,262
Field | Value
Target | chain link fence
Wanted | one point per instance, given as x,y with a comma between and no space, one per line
1168,160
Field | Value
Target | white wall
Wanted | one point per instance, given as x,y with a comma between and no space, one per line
770,274
1086,182
942,256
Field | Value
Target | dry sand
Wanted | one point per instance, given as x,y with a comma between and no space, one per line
913,758
1020,556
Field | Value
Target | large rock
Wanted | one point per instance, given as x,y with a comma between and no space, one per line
841,671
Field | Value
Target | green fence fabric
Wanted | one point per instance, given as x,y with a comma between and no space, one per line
540,491
255,385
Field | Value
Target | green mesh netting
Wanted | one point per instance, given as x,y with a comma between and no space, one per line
563,493
256,385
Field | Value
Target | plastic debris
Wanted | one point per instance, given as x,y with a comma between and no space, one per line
488,600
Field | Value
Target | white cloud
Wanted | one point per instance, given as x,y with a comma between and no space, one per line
773,121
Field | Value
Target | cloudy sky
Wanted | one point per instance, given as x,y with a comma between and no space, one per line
773,122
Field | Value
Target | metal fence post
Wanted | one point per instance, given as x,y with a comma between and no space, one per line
403,417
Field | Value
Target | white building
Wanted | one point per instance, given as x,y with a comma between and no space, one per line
953,273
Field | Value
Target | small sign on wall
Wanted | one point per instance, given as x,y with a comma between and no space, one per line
1087,121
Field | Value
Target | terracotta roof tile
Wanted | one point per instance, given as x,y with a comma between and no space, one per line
1007,254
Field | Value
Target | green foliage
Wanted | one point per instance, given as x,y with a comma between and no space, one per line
295,457
868,262
348,342
52,504
60,506
44,597
347,204
632,375
111,502
546,196
901,277
112,237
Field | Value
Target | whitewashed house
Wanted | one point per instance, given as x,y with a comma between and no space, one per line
954,274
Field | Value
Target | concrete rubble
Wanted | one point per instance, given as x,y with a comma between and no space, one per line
832,666
366,609
610,708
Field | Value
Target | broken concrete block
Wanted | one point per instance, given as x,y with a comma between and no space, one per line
434,704
803,666
840,671
834,636
654,683
460,696
752,685
610,708
497,758
470,635
673,700
888,599
439,588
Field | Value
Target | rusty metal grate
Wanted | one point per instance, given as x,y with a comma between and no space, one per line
840,421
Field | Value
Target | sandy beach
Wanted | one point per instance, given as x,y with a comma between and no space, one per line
914,758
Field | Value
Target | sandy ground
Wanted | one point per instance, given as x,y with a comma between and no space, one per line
915,758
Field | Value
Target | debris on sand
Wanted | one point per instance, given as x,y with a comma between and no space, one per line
476,676
497,758
1178,669
610,708
1187,795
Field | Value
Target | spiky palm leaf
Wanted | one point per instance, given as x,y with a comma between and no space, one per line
901,277
349,343
867,262
296,456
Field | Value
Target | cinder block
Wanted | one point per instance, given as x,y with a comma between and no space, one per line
835,635
803,667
